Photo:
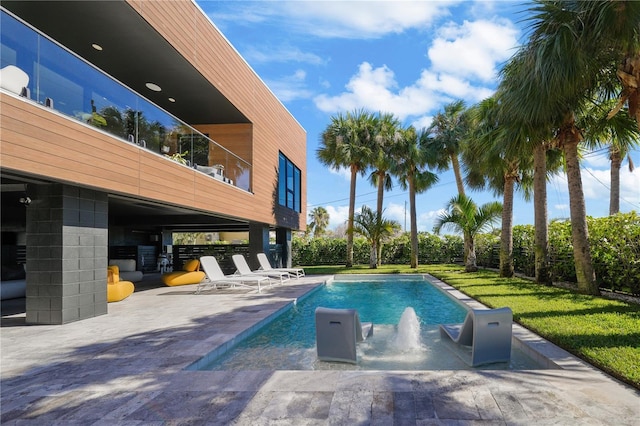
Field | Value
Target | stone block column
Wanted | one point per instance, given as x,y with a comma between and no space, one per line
258,242
283,238
67,252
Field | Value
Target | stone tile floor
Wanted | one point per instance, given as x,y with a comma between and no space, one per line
128,368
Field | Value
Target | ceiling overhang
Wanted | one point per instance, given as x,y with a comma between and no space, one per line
133,52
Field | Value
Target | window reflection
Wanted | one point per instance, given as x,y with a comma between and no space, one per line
289,184
68,84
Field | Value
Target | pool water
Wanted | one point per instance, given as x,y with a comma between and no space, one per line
288,342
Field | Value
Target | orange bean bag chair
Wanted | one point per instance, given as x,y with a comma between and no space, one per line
190,274
117,290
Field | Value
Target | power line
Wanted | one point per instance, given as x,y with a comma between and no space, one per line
609,187
373,192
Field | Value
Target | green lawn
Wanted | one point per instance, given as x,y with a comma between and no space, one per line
604,332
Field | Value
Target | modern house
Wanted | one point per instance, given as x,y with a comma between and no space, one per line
123,122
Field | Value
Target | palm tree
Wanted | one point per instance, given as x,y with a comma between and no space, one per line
376,230
387,133
489,163
319,221
346,142
541,144
410,158
620,133
557,73
463,215
448,130
617,151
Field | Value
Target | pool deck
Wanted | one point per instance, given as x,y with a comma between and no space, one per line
128,368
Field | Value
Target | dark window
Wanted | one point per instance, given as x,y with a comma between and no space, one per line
288,184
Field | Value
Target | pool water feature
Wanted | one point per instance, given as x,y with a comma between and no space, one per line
405,311
408,332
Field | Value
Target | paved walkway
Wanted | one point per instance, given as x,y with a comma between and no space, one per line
127,368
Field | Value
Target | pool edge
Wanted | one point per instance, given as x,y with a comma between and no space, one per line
540,349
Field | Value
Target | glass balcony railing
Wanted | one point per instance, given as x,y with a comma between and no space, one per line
59,79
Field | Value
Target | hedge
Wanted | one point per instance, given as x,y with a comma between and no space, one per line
615,250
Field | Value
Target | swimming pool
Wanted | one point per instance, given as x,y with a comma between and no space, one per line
288,341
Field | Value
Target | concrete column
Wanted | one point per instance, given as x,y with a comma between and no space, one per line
283,238
67,252
258,242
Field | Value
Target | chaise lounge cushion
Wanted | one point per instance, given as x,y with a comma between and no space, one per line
117,290
190,274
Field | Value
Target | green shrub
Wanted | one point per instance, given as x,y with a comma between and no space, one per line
615,250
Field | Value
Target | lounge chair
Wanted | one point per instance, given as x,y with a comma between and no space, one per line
337,332
486,331
265,265
190,274
244,271
117,290
215,276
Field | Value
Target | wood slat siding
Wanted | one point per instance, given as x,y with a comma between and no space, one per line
40,142
190,32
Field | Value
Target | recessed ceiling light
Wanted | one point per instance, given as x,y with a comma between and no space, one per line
96,46
153,86
171,100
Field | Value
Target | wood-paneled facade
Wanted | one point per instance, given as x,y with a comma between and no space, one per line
40,144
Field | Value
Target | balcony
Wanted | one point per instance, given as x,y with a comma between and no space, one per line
63,81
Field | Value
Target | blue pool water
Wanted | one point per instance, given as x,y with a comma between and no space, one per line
288,342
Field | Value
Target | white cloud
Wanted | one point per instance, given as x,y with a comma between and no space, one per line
629,190
338,215
461,56
376,89
396,212
422,122
426,220
343,172
291,87
473,50
361,19
281,54
271,54
337,19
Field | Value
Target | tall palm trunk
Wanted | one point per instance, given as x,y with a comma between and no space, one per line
614,195
373,261
414,224
506,237
470,263
455,165
579,231
381,176
352,210
541,244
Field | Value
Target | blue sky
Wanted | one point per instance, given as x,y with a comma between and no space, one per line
410,58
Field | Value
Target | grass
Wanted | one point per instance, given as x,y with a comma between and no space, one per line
604,332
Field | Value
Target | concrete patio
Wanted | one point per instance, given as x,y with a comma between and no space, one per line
128,368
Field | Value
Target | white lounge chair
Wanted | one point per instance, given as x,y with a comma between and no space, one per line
215,276
244,271
337,332
486,331
265,265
